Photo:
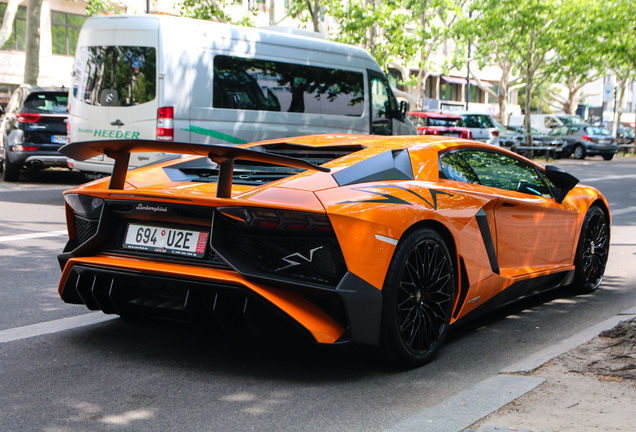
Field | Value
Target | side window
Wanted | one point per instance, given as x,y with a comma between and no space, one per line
454,167
265,85
504,172
382,105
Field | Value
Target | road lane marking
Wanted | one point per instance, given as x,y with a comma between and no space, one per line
623,211
4,239
54,326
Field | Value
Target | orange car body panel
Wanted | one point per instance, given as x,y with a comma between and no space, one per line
368,229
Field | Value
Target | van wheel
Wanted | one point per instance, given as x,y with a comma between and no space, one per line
579,152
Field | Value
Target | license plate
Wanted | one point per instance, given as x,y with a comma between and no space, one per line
170,241
603,141
451,134
59,139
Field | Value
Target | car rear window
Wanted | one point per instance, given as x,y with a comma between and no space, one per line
46,103
115,75
478,121
591,130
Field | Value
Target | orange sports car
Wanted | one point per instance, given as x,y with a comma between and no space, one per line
383,241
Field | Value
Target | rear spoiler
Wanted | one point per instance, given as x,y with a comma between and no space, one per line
223,155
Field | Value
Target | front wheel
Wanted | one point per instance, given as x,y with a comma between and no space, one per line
592,251
608,157
418,298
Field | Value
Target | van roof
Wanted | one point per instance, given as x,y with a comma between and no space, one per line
207,31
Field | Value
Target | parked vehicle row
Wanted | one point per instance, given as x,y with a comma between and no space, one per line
478,126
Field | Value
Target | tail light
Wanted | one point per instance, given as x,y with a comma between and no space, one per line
28,117
470,135
587,138
165,124
68,122
495,133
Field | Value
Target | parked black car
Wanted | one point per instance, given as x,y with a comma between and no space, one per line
33,128
586,140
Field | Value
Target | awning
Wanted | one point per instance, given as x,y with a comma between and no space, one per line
457,80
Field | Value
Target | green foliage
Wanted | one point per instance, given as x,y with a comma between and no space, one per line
95,7
212,10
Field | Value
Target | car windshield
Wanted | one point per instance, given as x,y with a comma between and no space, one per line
592,130
46,103
481,121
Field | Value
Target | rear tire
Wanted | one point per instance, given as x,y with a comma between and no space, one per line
579,152
592,251
418,298
10,172
608,157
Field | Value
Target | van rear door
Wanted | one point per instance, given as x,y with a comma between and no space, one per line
115,90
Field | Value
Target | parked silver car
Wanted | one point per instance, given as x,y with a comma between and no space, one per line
586,140
482,126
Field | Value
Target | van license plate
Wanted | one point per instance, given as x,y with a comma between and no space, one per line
59,139
170,241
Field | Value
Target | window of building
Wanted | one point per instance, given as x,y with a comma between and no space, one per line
445,91
17,40
65,30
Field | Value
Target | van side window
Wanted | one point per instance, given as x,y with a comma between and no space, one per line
264,85
115,75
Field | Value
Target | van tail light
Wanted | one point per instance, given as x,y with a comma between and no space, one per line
495,133
28,117
587,138
68,121
165,124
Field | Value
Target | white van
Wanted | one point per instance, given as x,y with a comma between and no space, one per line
172,78
546,122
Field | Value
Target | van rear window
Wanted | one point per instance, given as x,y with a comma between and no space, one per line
264,85
115,75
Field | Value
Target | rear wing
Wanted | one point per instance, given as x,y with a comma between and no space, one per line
223,155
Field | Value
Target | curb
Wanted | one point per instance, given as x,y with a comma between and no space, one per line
469,406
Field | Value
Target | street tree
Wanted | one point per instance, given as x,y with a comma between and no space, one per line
519,36
619,37
432,23
307,10
7,20
32,51
579,53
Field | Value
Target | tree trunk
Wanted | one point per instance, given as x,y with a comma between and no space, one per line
7,22
32,55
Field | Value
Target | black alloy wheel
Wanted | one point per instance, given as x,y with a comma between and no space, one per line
592,251
418,298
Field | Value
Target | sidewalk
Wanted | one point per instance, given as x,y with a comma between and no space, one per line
589,388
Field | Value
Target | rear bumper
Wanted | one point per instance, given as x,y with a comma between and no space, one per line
37,159
124,286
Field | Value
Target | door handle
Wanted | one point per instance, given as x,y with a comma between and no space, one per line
116,123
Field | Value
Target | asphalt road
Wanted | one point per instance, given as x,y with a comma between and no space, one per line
115,375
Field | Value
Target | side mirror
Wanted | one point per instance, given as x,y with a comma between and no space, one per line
562,180
404,108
